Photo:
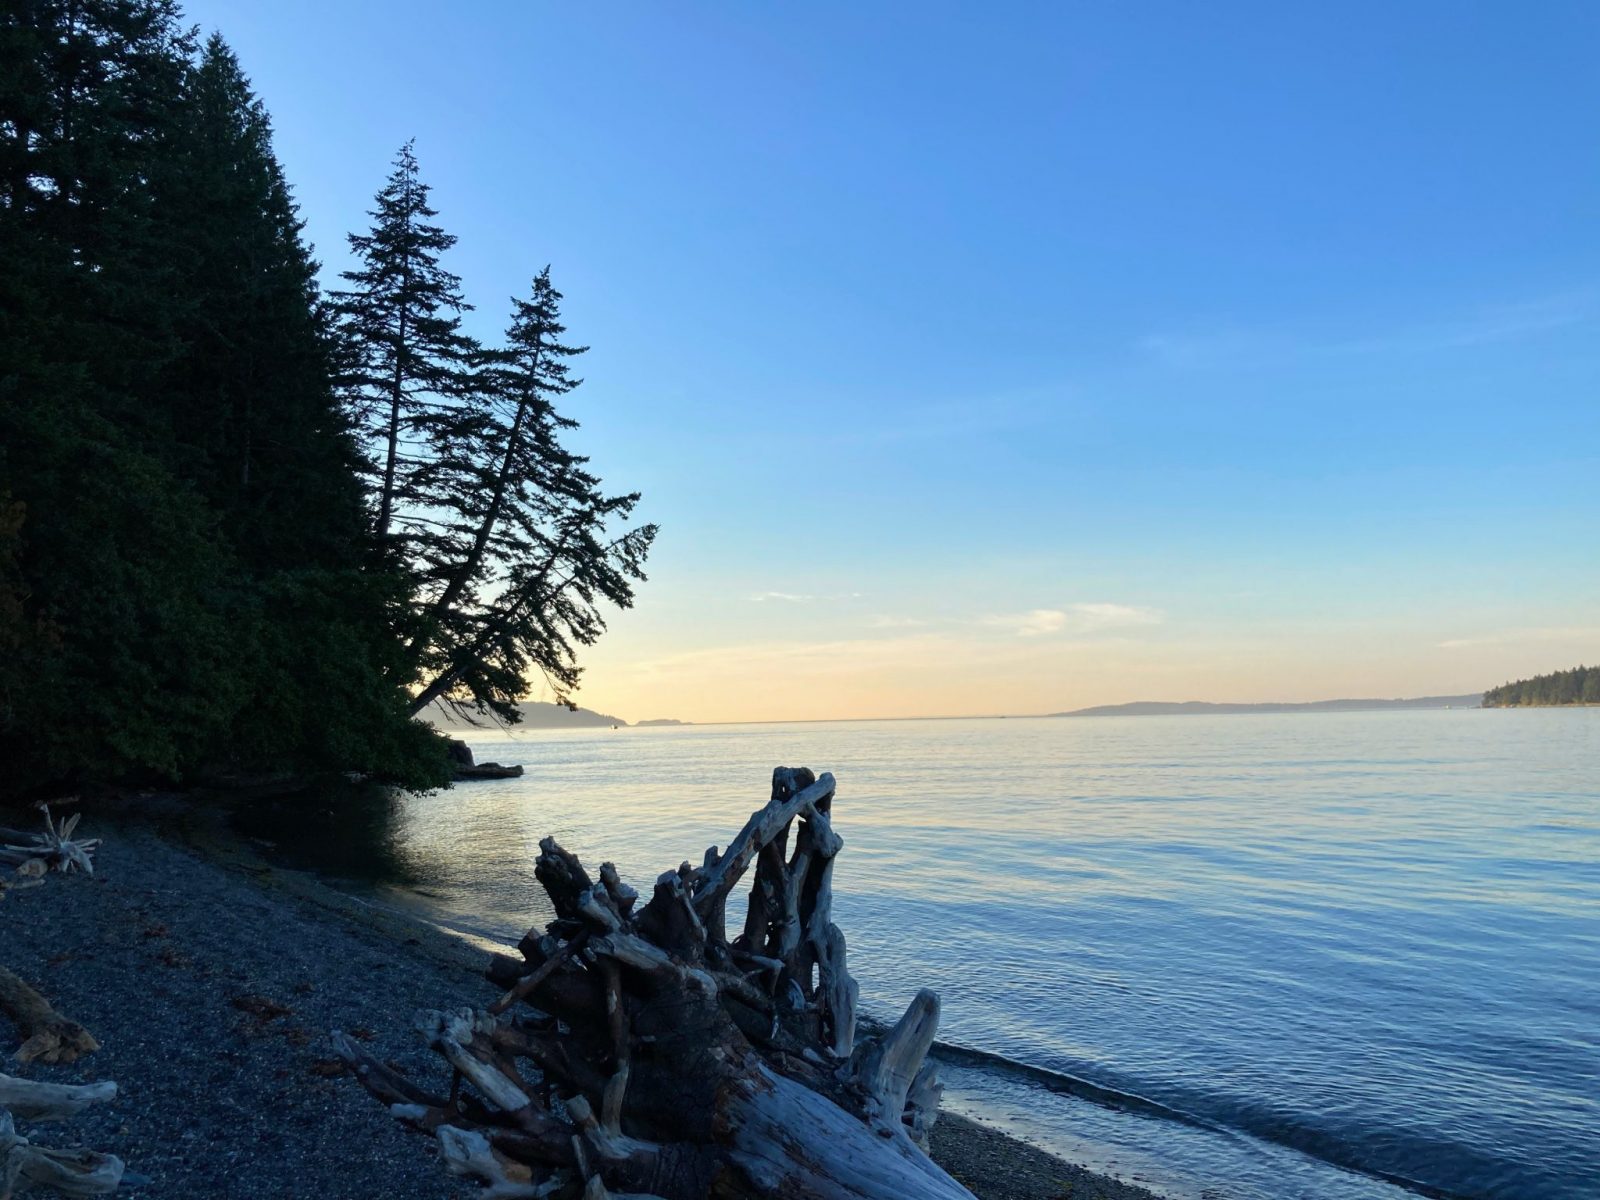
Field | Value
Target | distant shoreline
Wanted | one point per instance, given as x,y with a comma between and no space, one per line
1163,708
1138,708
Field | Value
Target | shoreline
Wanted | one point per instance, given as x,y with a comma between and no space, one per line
211,977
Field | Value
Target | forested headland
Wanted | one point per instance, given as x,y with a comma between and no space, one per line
1581,685
247,526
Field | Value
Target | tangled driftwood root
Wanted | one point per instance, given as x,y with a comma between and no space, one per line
639,1052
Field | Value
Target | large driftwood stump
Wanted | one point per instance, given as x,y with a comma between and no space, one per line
640,1052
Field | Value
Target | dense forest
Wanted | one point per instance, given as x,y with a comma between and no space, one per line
1581,685
246,526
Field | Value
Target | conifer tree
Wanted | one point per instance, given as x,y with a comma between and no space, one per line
182,523
406,361
274,453
254,378
536,550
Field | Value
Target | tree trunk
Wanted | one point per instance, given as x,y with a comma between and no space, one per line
468,566
644,1054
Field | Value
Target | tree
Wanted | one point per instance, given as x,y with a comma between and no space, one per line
509,543
406,361
184,526
538,551
115,650
254,378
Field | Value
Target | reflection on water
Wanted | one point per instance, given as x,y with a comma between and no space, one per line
1371,937
353,831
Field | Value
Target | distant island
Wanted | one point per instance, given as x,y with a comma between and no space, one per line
664,721
536,714
1581,685
1165,708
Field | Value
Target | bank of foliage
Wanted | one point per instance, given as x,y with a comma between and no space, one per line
1581,685
195,577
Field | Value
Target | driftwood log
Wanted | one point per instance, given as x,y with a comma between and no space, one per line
640,1052
24,1165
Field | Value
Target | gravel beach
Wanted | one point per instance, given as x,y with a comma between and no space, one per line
211,979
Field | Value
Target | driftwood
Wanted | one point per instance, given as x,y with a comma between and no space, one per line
55,847
24,1165
46,1035
638,1052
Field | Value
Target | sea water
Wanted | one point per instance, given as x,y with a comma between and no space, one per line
1332,956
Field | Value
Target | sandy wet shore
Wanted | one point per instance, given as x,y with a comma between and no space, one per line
212,978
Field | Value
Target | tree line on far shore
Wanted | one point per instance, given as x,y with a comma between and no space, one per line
246,527
1581,685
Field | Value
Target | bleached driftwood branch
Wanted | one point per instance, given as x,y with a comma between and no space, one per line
23,1165
55,847
638,1052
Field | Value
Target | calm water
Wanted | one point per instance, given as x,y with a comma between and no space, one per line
1370,940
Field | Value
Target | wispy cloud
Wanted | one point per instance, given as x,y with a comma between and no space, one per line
1588,635
1496,323
801,597
1232,346
1073,619
885,621
1227,347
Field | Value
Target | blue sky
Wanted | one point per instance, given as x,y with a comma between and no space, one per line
1008,358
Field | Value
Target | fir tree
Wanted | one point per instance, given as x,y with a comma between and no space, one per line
182,524
537,554
406,361
280,463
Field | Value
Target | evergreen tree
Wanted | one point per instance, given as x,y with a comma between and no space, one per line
280,459
204,563
535,552
115,651
181,522
254,378
406,363
507,540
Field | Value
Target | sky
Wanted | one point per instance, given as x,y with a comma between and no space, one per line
1012,358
